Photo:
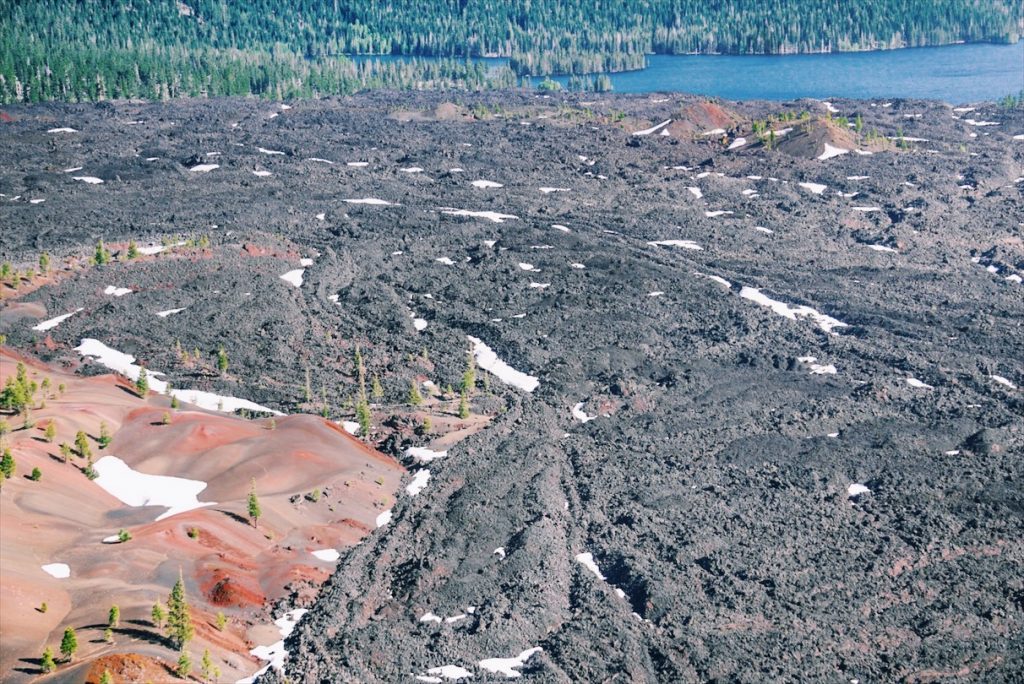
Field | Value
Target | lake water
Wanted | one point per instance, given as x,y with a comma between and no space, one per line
952,73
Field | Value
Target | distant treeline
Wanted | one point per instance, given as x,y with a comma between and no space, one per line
76,49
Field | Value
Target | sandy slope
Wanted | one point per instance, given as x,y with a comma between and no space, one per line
229,565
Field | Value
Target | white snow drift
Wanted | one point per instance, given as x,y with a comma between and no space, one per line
487,359
54,322
826,323
139,489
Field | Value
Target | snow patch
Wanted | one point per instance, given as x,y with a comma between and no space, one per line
882,248
483,184
294,277
63,129
587,561
270,152
384,518
653,129
816,188
509,666
695,191
817,368
369,200
261,173
117,291
133,488
717,213
1003,381
424,455
918,384
54,322
275,654
831,151
168,312
685,244
579,414
329,555
58,570
487,359
204,168
548,191
419,482
489,215
125,364
91,180
826,323
450,672
856,490
737,143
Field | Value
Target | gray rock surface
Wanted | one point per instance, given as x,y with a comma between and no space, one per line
713,488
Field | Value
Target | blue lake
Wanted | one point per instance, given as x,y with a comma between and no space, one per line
952,73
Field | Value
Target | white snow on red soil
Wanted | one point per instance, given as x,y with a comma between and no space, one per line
58,570
133,488
329,555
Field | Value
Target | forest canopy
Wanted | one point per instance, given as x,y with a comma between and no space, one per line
97,49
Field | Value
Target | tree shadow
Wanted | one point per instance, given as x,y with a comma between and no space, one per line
234,516
36,663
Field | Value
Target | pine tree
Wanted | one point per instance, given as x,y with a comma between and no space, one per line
469,375
158,614
206,666
36,475
179,618
69,644
44,263
65,451
221,621
222,361
46,662
133,250
376,388
106,677
82,444
463,406
254,504
101,256
184,665
363,417
51,430
104,440
415,398
7,464
142,383
114,616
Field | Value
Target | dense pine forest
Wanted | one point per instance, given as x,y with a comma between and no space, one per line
97,49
